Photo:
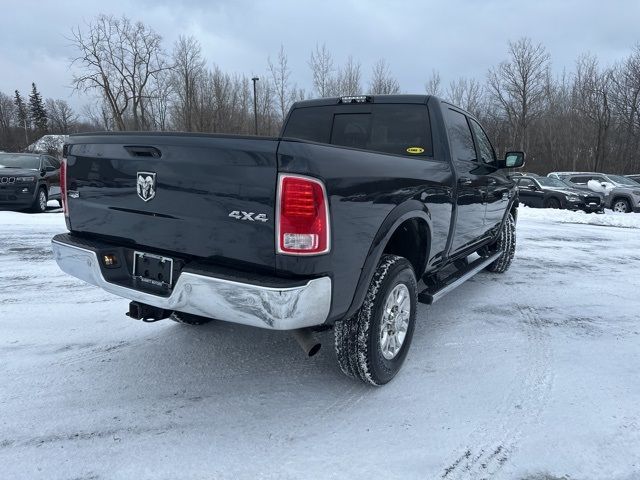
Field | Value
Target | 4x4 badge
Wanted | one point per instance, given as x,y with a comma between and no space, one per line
146,185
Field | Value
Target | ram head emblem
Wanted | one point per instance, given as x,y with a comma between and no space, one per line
146,185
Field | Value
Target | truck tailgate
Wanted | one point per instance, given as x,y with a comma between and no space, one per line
177,192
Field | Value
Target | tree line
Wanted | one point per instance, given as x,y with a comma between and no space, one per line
587,118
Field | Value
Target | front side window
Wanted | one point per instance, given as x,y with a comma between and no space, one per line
460,136
487,154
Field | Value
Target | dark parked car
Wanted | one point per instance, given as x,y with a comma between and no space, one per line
28,180
363,207
546,192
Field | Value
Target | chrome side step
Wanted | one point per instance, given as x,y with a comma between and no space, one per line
432,295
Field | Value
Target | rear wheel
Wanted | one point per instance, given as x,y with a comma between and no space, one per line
189,319
506,244
40,202
621,205
373,344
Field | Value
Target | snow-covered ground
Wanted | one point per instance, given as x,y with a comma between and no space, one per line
533,374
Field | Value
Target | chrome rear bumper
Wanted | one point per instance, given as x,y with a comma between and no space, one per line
281,308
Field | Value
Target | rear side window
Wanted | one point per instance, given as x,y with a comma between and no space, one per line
401,129
460,136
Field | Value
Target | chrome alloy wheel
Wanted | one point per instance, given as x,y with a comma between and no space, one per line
395,321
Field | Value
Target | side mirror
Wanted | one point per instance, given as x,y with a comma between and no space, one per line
532,188
512,160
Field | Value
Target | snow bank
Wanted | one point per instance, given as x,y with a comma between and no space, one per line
26,220
608,219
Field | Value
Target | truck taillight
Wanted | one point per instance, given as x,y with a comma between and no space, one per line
63,186
302,216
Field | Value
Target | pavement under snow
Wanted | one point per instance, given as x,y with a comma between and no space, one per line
533,374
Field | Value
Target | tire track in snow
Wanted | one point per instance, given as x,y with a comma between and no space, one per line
491,444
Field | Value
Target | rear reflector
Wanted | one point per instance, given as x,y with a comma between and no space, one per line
302,216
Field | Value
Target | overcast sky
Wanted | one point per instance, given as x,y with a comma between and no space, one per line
457,38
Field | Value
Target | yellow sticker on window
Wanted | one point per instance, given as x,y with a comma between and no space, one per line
415,150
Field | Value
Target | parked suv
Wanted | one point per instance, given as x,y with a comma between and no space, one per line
546,192
621,193
28,180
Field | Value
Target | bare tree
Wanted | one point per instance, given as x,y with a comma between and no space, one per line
321,64
625,100
188,70
433,85
592,88
119,59
99,116
7,112
382,82
518,86
466,93
280,74
158,103
62,118
349,78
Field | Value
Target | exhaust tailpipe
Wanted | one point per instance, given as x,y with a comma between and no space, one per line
307,341
147,313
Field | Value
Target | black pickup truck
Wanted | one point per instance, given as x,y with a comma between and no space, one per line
363,207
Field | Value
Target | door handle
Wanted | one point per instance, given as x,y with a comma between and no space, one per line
464,181
143,151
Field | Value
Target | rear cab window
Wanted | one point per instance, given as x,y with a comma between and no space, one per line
400,129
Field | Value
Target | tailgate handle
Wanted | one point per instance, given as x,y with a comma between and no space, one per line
143,151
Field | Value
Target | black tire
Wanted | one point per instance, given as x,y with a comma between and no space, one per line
189,319
60,202
621,205
358,339
506,243
40,203
552,203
